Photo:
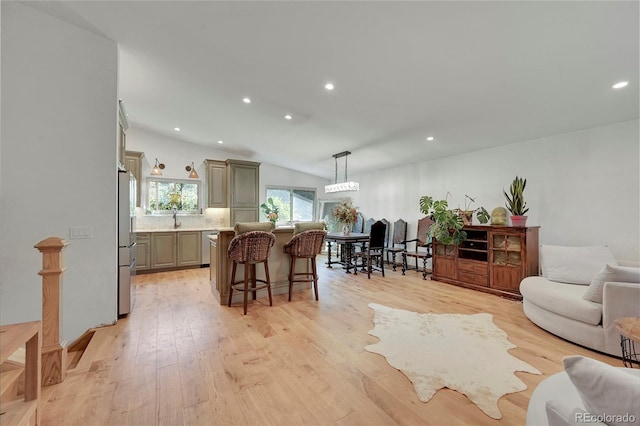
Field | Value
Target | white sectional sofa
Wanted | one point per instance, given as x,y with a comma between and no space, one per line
580,295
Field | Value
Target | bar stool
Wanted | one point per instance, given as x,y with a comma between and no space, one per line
305,245
249,249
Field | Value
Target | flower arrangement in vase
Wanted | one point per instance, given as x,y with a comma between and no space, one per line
270,210
346,214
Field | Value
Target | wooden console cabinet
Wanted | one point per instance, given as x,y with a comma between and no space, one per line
493,259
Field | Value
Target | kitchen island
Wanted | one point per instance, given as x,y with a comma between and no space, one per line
220,267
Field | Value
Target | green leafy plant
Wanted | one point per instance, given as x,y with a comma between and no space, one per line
467,214
447,227
515,203
483,215
270,210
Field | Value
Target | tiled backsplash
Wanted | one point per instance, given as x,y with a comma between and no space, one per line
211,219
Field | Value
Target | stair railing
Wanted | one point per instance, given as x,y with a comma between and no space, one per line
54,352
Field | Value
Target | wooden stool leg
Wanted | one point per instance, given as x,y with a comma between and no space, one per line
315,275
268,281
253,280
292,268
246,286
233,278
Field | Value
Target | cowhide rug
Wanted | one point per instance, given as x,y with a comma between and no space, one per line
466,353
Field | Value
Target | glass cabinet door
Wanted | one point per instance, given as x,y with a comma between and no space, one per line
507,250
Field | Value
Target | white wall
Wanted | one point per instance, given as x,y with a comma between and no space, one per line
583,188
57,169
176,154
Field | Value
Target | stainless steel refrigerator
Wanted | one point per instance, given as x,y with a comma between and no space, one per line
126,240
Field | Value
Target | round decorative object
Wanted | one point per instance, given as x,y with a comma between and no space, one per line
499,216
346,229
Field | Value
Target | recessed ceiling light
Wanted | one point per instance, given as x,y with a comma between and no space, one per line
177,129
246,100
430,138
288,117
220,142
329,86
620,84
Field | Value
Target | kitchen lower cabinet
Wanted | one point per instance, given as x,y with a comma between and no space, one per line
171,249
163,250
189,248
143,251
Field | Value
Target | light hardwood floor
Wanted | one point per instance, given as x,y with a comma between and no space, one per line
181,358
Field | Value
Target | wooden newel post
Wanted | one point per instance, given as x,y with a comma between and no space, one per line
54,352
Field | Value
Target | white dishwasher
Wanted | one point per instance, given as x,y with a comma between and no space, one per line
206,246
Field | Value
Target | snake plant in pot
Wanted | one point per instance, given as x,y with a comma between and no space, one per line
515,202
448,225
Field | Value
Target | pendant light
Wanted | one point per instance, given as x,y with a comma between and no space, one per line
343,186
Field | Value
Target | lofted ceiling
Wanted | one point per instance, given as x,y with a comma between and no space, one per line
473,75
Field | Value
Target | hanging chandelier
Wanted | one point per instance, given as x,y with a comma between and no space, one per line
342,186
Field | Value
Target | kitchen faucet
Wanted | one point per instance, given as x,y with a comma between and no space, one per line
175,220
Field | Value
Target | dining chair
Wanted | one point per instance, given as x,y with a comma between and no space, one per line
421,249
373,250
398,242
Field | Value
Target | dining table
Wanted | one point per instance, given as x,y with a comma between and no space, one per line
346,242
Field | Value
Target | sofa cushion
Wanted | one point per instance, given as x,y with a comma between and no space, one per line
562,299
622,274
606,391
575,265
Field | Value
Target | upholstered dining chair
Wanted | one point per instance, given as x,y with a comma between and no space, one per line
305,245
421,249
387,232
367,225
398,242
249,249
357,227
373,250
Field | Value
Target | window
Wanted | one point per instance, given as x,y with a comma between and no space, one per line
296,204
165,193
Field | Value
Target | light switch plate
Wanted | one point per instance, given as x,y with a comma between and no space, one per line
77,232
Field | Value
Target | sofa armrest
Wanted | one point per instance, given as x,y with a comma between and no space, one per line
619,300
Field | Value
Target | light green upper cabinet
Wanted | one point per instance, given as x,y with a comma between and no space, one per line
244,187
244,177
133,163
216,184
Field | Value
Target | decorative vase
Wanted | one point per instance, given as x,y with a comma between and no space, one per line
519,221
346,229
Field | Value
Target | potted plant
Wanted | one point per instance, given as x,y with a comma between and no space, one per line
448,225
270,210
467,214
515,203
